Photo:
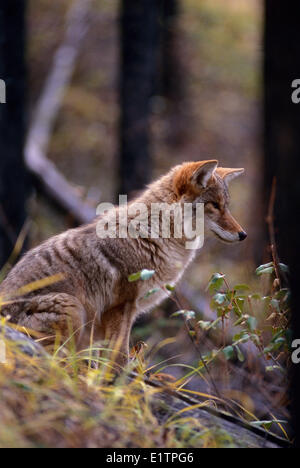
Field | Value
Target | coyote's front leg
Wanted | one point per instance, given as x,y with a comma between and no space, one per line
116,324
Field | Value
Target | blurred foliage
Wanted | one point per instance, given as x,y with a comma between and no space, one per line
227,40
262,319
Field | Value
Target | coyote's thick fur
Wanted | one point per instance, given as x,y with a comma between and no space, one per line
95,292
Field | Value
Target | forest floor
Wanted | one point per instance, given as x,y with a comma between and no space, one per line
62,401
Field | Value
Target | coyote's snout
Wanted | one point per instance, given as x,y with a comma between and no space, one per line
95,296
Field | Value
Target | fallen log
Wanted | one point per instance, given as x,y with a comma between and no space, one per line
22,342
242,433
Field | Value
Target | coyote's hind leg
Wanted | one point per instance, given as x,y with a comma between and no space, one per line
53,315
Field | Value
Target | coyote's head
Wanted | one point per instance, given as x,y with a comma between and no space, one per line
205,182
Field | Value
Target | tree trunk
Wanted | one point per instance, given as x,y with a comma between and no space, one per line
172,71
13,177
139,60
282,150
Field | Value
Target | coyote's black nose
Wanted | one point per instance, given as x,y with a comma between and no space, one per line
242,235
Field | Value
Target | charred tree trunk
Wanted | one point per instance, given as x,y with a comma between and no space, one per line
13,176
172,72
139,56
282,151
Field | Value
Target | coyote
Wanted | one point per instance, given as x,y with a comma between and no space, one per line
94,294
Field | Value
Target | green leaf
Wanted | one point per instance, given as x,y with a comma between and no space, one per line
240,355
263,267
255,296
268,271
134,277
238,306
170,287
252,323
151,291
237,311
216,282
280,340
243,287
240,301
188,314
282,293
204,325
213,325
143,275
228,352
219,298
147,274
277,335
242,337
240,320
272,368
275,304
275,345
287,298
267,424
255,339
284,268
208,325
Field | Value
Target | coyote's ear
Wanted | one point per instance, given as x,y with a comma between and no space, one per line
203,173
228,174
193,175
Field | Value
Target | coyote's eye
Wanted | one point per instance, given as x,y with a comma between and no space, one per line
216,205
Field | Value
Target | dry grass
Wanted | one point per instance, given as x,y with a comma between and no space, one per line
60,401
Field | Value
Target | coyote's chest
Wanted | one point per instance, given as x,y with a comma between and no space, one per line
155,290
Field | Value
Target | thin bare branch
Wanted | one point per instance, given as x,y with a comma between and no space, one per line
54,183
270,221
